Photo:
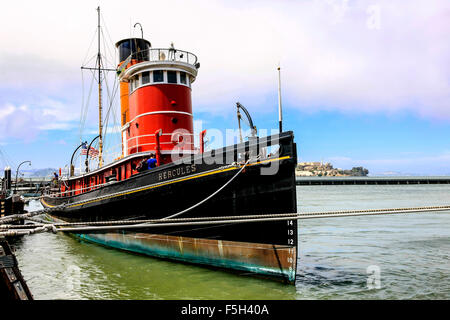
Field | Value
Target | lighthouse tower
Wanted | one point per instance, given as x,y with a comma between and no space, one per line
155,98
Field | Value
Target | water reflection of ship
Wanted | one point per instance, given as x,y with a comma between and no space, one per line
188,182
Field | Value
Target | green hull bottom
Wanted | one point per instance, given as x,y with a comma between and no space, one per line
273,261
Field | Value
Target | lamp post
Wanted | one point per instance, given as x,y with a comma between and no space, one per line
71,159
86,162
17,172
142,32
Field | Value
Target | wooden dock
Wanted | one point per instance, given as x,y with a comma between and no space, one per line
308,181
12,284
32,186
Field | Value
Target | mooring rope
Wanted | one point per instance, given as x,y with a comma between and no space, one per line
210,196
46,210
141,222
34,213
139,188
125,224
44,226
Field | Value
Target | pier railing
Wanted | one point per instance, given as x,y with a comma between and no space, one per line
301,180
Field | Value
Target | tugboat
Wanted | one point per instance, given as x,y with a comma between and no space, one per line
181,180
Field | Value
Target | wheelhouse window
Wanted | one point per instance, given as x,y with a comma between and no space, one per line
131,84
158,76
171,76
145,77
183,77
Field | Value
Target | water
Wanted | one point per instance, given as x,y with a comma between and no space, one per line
409,254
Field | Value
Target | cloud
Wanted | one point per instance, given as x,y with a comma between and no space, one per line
351,56
6,111
61,141
346,55
25,122
434,164
344,65
29,70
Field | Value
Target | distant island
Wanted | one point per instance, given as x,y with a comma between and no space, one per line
320,169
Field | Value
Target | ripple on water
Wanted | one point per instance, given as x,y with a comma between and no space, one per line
411,252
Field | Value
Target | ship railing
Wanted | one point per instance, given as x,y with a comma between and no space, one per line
164,134
116,152
135,145
112,154
108,156
266,147
138,146
73,192
160,54
81,190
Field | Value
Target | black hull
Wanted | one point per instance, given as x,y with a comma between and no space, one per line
153,195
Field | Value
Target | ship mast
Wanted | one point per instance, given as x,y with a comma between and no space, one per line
98,68
280,112
100,128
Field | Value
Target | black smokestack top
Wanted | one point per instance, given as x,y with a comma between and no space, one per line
136,46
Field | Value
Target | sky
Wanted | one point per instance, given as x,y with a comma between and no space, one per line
364,83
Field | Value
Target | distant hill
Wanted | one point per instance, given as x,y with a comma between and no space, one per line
326,169
38,172
396,174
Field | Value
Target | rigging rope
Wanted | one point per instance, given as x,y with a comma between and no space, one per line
169,221
34,213
209,197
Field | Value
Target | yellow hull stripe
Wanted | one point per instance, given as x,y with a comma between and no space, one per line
166,183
